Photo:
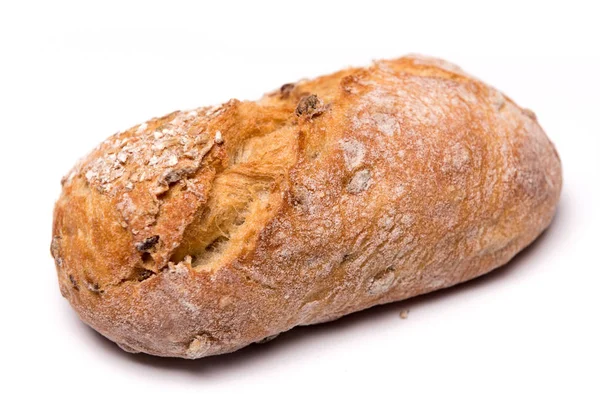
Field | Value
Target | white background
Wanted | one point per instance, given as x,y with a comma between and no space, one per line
73,73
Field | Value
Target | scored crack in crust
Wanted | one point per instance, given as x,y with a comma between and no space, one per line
203,231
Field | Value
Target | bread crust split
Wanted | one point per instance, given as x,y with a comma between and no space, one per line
204,231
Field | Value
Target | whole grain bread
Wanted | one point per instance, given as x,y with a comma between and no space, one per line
203,231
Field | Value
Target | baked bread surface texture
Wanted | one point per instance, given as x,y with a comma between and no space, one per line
204,231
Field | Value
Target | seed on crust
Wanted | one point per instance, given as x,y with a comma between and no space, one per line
147,243
310,106
73,282
286,90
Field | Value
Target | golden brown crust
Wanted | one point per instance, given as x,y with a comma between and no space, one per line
204,231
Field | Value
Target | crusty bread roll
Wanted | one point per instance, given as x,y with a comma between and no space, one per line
203,231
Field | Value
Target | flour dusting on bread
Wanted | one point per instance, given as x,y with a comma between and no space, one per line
207,230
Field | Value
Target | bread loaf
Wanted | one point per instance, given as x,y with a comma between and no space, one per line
204,231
